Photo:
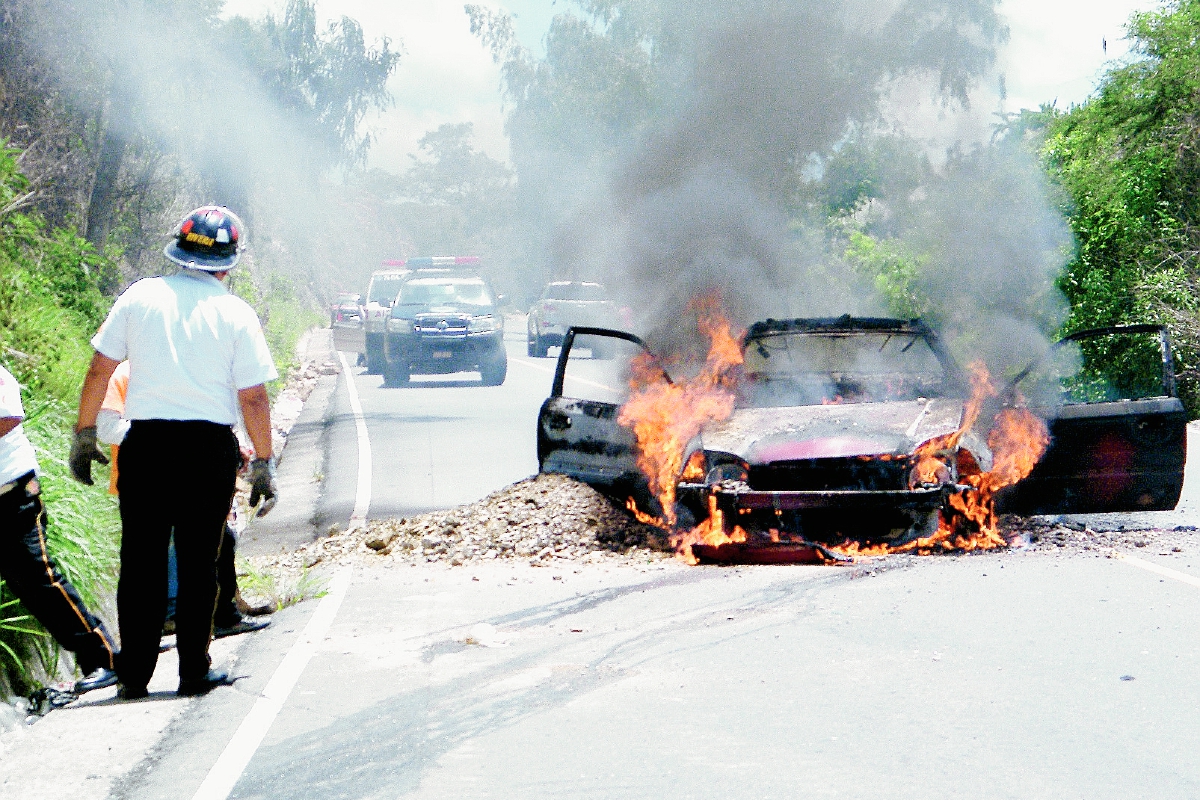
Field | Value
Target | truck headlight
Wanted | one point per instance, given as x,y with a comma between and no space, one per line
484,324
399,326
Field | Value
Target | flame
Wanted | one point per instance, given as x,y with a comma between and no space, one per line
1017,439
694,469
665,416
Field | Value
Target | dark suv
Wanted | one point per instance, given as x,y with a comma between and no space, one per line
441,324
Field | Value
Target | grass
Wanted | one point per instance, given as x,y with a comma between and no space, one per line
276,586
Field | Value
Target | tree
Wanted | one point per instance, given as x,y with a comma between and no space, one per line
1130,162
666,139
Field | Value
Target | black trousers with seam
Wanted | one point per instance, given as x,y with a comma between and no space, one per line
31,574
173,477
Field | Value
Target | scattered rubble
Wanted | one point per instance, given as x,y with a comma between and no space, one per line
540,519
301,381
1072,535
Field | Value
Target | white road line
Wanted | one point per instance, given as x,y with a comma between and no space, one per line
568,377
241,748
362,497
1150,566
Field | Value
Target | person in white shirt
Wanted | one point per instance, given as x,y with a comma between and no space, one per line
196,354
25,565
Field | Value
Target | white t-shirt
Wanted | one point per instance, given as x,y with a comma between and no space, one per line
17,455
191,346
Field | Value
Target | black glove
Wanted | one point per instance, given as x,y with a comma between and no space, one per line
262,484
84,451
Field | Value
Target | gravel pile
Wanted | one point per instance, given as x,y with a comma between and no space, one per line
540,520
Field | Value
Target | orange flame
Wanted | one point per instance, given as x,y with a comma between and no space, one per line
1018,439
665,416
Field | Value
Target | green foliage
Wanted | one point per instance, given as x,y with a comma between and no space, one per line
276,586
329,79
1130,162
50,303
284,316
894,271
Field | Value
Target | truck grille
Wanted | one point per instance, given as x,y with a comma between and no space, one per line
440,327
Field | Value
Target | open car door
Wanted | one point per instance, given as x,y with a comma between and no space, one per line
578,432
1118,440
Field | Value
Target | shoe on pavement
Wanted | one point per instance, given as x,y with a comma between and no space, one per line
252,611
197,686
98,678
241,626
131,692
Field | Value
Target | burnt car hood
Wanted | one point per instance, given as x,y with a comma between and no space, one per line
790,433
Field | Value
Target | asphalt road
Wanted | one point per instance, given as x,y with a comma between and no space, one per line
999,675
437,443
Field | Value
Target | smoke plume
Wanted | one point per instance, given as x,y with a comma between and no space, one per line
760,96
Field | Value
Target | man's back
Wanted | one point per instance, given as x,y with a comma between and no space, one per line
191,345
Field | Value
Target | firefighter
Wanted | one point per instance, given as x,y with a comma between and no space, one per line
196,355
111,427
27,569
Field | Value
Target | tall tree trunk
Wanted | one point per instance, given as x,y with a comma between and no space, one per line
102,205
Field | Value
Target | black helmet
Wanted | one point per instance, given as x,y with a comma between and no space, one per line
207,239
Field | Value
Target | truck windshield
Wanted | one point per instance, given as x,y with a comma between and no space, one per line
445,292
384,290
840,367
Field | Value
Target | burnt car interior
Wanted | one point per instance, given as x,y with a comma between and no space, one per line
810,362
1116,445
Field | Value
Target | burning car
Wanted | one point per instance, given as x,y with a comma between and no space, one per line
811,439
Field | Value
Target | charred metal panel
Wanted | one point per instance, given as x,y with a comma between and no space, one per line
824,474
1123,456
853,429
851,500
581,438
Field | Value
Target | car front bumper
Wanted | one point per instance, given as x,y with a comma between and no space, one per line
737,500
440,355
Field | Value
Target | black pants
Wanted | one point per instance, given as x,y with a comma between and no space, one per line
227,614
173,477
33,577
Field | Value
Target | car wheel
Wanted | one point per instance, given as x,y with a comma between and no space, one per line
531,345
537,347
494,372
395,374
375,360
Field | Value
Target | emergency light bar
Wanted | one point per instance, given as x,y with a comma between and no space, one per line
431,261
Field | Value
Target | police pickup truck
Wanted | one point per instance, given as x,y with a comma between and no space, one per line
381,295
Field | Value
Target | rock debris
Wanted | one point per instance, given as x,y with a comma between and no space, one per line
542,520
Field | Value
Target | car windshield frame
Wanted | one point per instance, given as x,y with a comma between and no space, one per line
455,298
857,374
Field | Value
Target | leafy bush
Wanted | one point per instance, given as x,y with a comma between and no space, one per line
1130,161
